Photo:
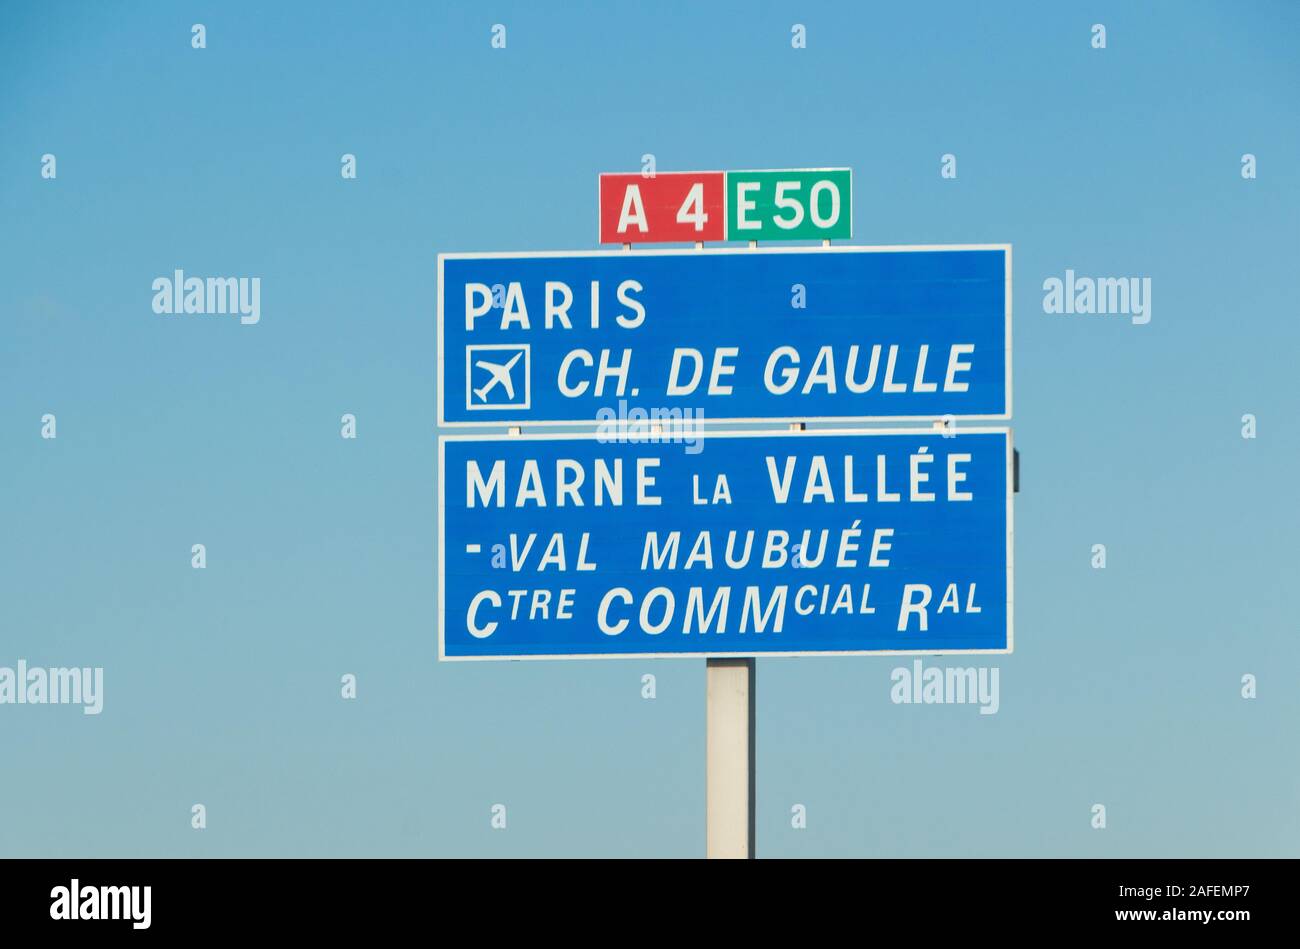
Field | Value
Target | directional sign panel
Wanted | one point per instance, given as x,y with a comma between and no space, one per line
738,334
739,544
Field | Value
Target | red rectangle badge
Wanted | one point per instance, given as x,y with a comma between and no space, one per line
671,206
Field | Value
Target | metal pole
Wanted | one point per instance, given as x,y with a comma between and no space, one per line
731,691
729,755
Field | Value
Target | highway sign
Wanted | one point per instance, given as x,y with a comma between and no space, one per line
742,544
670,206
727,334
680,206
800,204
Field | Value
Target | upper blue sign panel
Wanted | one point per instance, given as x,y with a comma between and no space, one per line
726,334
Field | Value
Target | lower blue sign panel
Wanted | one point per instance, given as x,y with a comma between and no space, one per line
724,544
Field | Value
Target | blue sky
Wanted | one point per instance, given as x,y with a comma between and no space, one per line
222,685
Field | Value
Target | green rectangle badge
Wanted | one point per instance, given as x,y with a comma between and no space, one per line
797,205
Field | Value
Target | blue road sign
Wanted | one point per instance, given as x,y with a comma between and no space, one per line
732,334
724,544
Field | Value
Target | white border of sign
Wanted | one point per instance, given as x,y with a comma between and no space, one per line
551,436
689,251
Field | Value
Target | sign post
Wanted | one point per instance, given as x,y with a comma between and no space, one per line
647,536
730,771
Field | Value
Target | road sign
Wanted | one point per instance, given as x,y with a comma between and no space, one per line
736,334
681,206
671,206
803,204
743,544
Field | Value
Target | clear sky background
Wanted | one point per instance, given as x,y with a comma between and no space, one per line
222,685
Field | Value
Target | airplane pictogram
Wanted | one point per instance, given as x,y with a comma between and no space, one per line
500,376
496,376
